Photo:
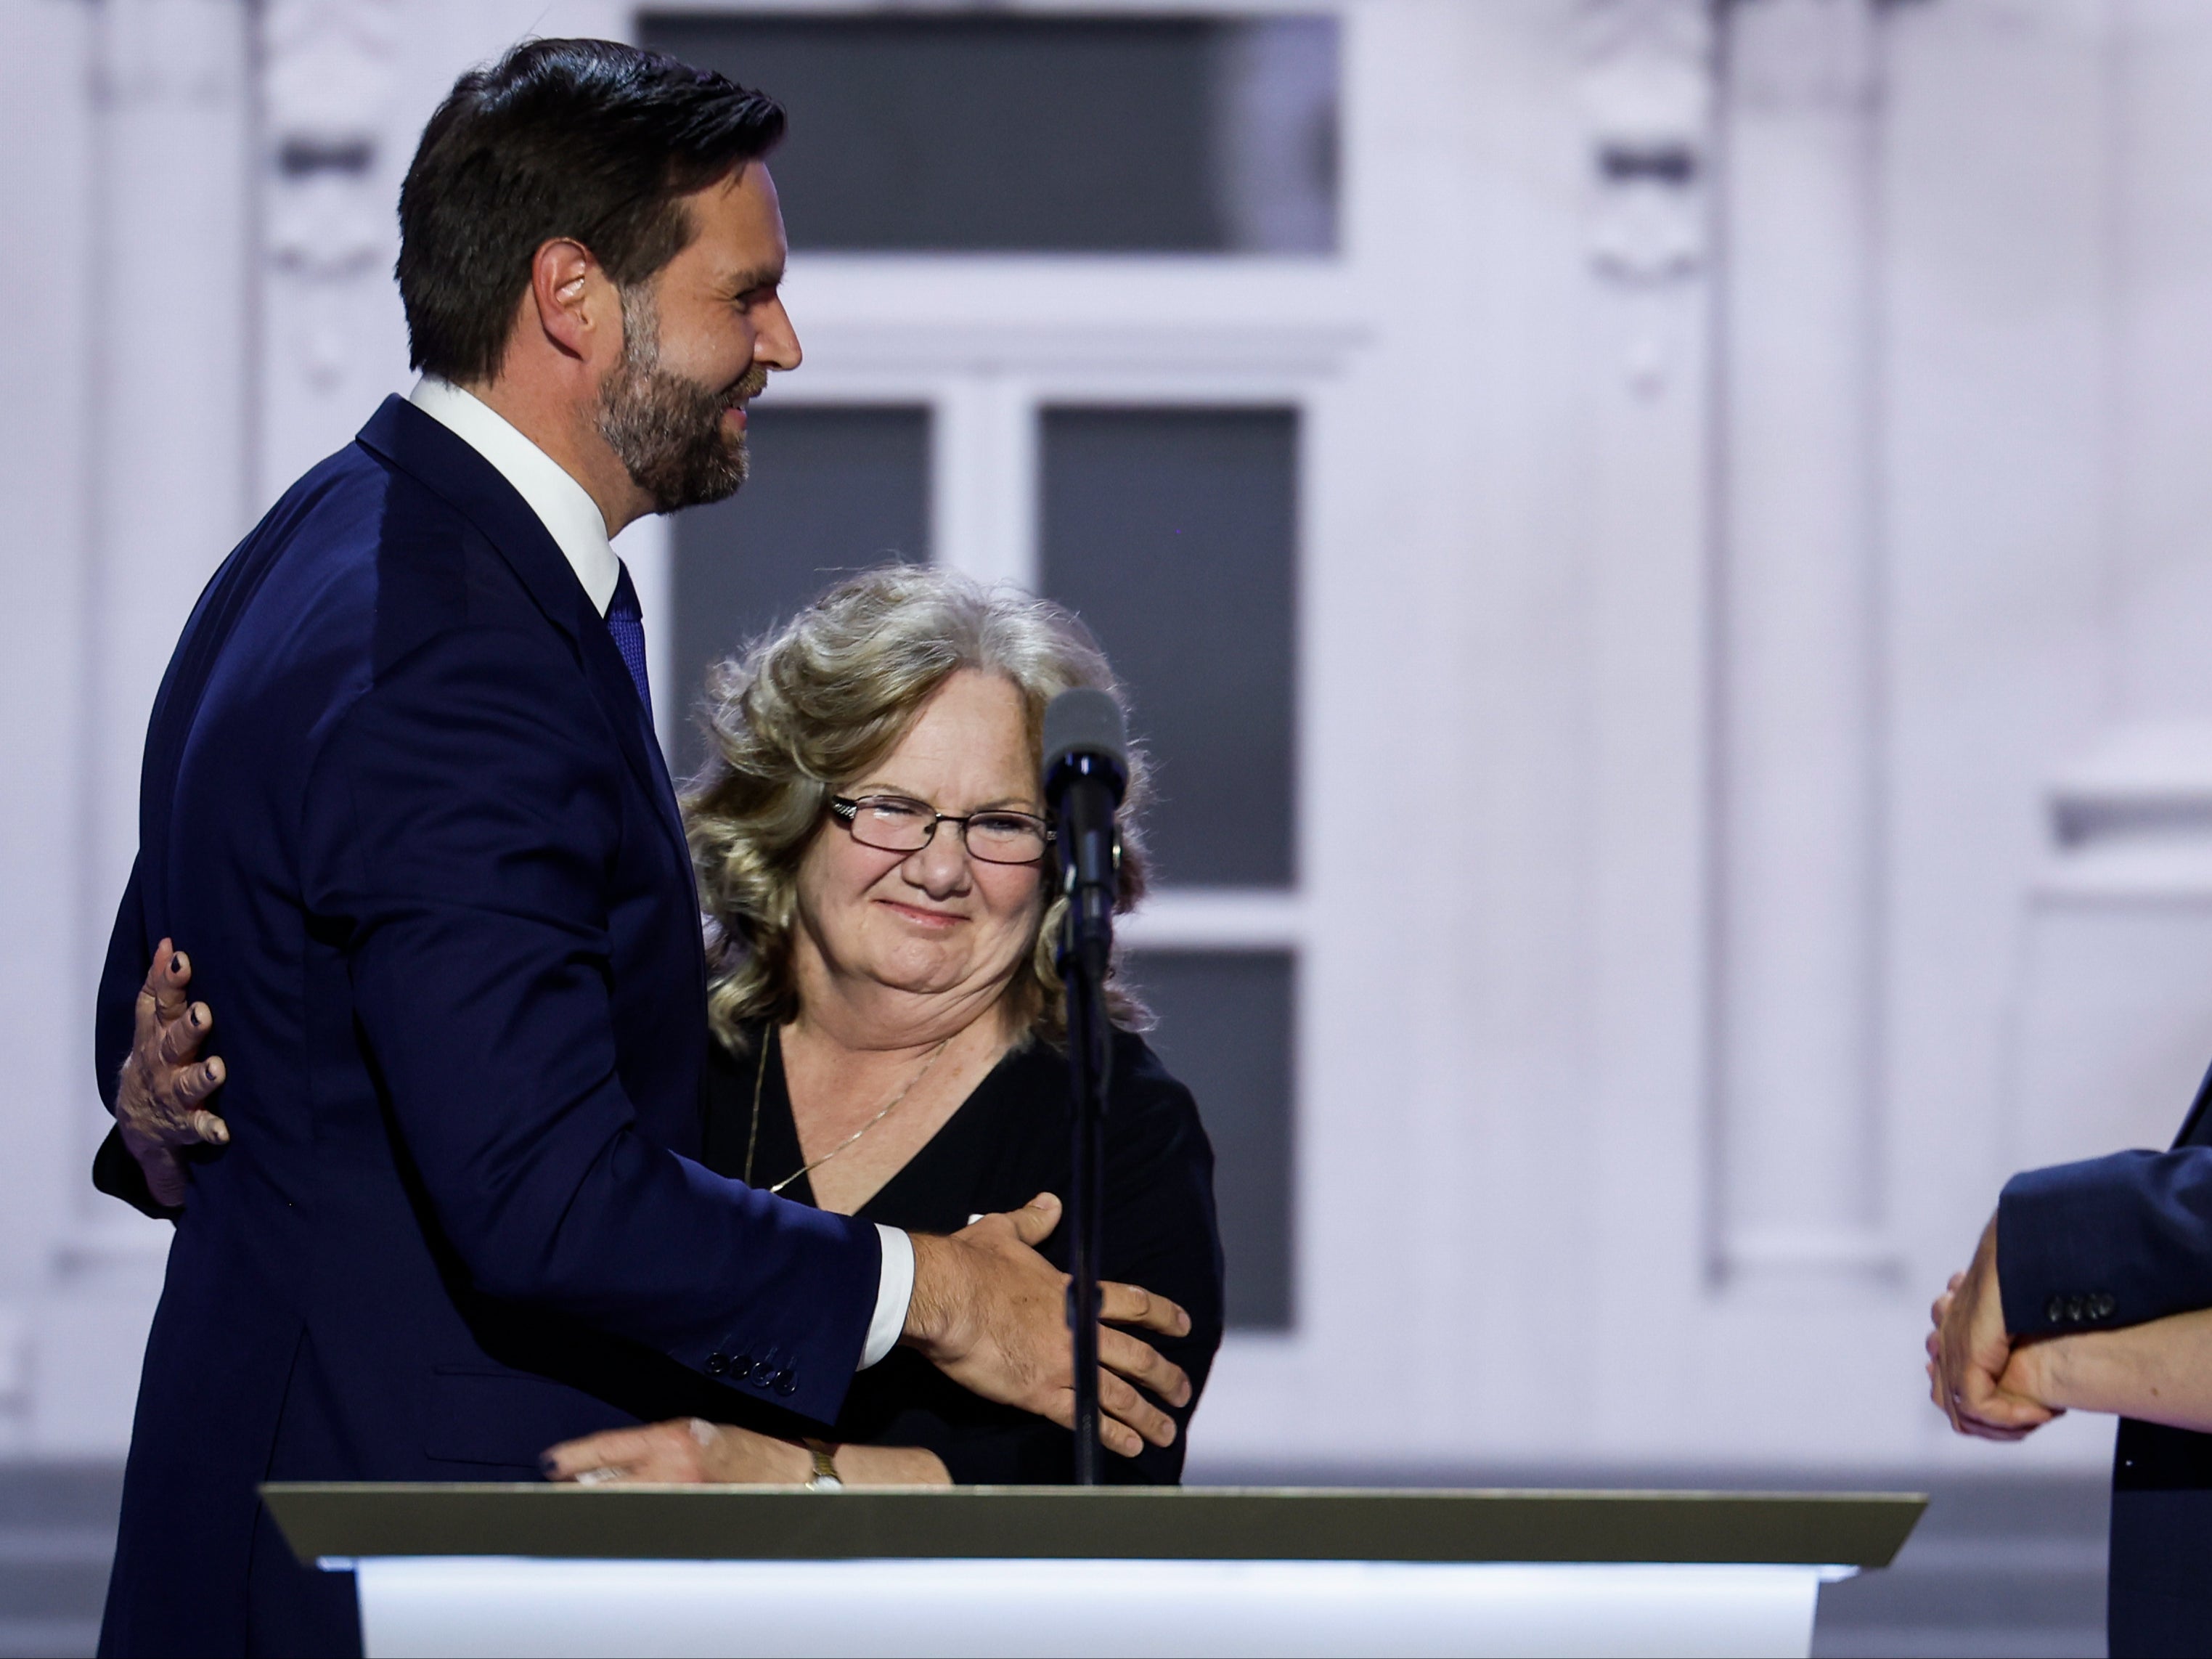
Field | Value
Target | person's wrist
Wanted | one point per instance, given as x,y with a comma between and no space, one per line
2037,1370
794,1464
930,1310
1989,1288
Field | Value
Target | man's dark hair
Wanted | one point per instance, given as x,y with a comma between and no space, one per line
587,139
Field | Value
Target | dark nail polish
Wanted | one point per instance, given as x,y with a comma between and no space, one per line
177,964
548,1467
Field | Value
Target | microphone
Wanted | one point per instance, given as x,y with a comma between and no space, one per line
1086,772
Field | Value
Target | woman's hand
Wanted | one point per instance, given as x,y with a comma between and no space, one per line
164,1083
686,1451
692,1451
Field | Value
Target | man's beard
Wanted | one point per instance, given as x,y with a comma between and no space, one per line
667,429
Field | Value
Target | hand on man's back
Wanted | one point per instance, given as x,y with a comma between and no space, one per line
161,1096
991,1314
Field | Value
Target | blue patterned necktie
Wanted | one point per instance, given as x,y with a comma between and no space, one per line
627,623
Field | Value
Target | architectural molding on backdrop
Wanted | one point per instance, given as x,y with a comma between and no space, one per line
1799,613
325,81
2131,820
1647,90
330,148
160,94
172,99
2110,1022
171,95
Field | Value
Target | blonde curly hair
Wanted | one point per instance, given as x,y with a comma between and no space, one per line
816,704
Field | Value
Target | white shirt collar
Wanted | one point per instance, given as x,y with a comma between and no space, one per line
564,507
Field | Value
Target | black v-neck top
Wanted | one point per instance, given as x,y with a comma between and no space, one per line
1008,1141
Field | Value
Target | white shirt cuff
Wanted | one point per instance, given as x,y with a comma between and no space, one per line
894,1292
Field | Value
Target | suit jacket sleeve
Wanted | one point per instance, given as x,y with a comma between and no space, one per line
461,826
114,1171
2105,1243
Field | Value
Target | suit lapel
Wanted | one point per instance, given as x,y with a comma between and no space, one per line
444,463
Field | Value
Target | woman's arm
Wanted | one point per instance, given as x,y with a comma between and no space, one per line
2158,1373
692,1451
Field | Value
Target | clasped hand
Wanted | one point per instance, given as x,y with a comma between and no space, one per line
1979,1378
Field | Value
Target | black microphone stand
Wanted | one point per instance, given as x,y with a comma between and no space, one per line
1089,1051
1086,946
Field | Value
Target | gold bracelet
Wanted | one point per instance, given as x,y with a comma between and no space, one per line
825,1478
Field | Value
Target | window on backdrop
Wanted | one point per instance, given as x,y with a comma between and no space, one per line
832,490
1005,132
1173,533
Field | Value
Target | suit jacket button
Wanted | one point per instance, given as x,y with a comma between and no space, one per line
741,1367
2074,1310
2055,1310
2104,1304
717,1364
786,1382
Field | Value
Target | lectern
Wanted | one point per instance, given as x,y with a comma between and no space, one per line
545,1570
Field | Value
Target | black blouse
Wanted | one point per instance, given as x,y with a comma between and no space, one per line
1005,1143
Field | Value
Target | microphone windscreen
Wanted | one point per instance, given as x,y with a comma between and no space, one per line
1084,720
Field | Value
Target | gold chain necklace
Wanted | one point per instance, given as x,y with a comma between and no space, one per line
760,1077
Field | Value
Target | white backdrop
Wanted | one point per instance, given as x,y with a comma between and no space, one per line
1753,518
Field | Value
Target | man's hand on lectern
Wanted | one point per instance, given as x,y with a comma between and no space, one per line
992,1314
1968,1350
160,1096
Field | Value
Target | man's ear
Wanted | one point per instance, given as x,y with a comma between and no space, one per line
572,298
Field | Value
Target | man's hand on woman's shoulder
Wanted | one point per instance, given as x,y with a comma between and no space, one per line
991,1314
162,1095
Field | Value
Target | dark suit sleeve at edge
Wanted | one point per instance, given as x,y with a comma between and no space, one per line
460,824
2134,1226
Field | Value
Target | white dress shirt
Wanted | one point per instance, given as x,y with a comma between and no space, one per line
573,519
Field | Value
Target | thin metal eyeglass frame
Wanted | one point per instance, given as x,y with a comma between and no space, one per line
846,810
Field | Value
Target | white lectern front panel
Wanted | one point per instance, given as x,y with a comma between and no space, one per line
461,1607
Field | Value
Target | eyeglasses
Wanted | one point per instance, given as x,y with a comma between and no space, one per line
892,824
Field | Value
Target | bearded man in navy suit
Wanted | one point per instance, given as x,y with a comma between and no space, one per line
401,792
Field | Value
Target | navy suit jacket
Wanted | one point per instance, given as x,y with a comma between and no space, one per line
402,802
2121,1240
